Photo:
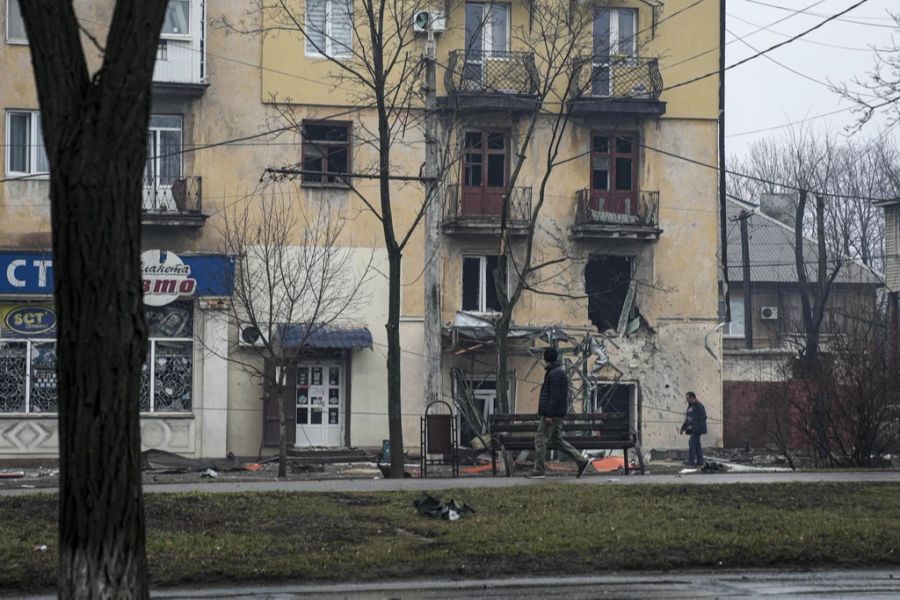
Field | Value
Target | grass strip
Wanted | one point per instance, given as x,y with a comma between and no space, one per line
546,529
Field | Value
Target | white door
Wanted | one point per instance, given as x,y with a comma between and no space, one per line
320,403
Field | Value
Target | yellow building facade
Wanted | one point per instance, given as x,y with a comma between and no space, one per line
636,222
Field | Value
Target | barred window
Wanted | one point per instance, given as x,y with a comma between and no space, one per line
167,374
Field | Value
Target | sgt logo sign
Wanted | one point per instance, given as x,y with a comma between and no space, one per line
165,278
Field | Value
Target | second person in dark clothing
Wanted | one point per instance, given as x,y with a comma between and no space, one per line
553,406
694,426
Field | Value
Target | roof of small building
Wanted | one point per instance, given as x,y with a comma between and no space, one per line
772,253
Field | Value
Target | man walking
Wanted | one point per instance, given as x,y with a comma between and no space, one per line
554,404
695,426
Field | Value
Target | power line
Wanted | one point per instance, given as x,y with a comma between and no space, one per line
767,50
869,50
815,14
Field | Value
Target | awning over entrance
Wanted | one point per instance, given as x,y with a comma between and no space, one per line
325,336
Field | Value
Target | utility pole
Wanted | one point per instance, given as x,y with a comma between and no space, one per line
723,209
745,264
432,320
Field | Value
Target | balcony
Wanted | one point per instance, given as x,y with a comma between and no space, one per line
621,215
478,211
180,69
175,204
616,86
491,81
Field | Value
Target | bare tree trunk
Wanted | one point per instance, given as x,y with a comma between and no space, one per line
502,330
395,413
95,134
282,422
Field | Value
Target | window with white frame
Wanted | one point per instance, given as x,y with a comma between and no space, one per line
15,24
487,28
167,374
25,152
735,328
329,28
479,294
177,22
163,166
614,32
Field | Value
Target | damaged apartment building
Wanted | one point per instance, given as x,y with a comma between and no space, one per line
633,306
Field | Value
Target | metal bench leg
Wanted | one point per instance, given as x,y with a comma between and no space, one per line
625,452
493,460
640,457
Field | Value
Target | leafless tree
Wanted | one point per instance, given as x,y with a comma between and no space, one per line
880,91
94,127
379,63
292,272
854,171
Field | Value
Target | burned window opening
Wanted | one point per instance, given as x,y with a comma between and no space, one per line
479,294
607,282
613,397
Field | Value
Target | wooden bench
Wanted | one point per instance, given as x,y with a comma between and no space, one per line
593,431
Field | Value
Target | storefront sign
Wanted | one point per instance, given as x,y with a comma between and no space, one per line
22,320
165,278
31,274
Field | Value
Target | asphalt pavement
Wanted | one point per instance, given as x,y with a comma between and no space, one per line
380,485
731,585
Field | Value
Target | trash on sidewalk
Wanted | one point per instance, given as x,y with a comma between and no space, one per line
429,506
40,548
11,474
253,467
209,474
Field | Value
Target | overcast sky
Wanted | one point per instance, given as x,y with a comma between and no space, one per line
761,94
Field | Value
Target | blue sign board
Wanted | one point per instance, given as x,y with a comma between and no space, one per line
31,273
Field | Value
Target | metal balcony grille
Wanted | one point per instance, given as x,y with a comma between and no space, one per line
491,72
467,208
179,196
616,77
612,208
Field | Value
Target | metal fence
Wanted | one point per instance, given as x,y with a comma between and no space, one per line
465,206
611,208
491,72
616,77
183,195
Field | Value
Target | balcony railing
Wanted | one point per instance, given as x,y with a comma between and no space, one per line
491,72
181,198
611,211
620,77
476,210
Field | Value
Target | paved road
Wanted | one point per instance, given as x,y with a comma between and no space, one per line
733,585
376,485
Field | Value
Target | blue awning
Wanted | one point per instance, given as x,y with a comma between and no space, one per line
325,336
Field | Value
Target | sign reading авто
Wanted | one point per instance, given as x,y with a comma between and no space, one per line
165,278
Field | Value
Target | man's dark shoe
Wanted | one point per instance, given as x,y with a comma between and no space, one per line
583,467
535,474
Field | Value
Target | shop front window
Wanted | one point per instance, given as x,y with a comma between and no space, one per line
27,359
167,374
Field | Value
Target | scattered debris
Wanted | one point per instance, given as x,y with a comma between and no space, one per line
209,474
429,506
11,474
386,471
28,487
40,548
253,467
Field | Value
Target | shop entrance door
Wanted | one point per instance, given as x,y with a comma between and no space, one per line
320,403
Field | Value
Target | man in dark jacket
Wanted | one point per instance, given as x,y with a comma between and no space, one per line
554,404
695,426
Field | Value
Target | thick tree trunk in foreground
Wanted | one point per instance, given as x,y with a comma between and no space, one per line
395,411
95,134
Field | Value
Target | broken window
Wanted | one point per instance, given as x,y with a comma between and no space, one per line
479,294
326,152
607,283
614,169
614,397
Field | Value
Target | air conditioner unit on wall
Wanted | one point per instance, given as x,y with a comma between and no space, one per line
249,336
429,20
768,313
